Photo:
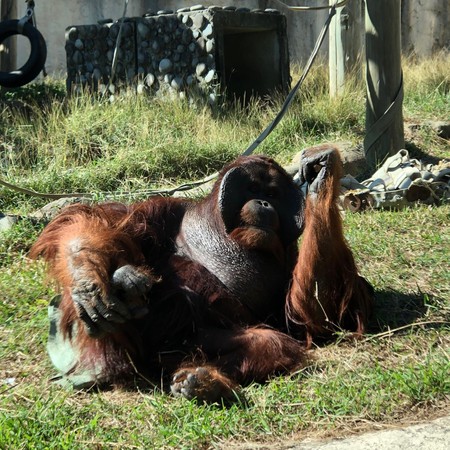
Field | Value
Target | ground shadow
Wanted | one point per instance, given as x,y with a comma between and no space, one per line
393,309
417,153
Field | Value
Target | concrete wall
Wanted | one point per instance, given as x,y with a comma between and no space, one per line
425,24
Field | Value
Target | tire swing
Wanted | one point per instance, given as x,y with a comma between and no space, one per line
30,70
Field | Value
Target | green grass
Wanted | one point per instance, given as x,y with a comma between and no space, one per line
398,373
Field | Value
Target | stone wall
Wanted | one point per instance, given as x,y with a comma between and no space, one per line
227,50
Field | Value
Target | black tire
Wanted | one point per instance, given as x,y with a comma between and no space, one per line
30,70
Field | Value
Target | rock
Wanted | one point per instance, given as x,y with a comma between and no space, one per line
149,79
209,47
141,58
197,7
172,25
130,73
208,31
49,211
165,65
190,80
210,61
198,21
140,89
97,74
201,43
353,159
177,83
210,76
7,221
187,20
156,46
143,30
77,57
200,69
72,33
79,44
442,129
186,37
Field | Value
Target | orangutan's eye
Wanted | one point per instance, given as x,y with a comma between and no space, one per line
273,192
254,188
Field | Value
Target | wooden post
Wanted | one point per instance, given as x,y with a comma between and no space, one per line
344,45
384,118
8,49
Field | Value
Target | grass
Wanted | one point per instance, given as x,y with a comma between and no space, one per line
398,373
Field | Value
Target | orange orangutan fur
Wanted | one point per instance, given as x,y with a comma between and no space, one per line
170,285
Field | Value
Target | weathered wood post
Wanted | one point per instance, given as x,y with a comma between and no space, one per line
384,118
344,45
8,49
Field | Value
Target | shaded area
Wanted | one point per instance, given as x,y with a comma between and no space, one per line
418,153
394,309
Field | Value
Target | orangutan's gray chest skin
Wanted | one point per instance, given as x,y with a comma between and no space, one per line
241,271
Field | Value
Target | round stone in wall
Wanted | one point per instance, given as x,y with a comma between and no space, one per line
209,76
72,33
209,45
196,7
143,29
200,69
165,65
177,83
208,31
